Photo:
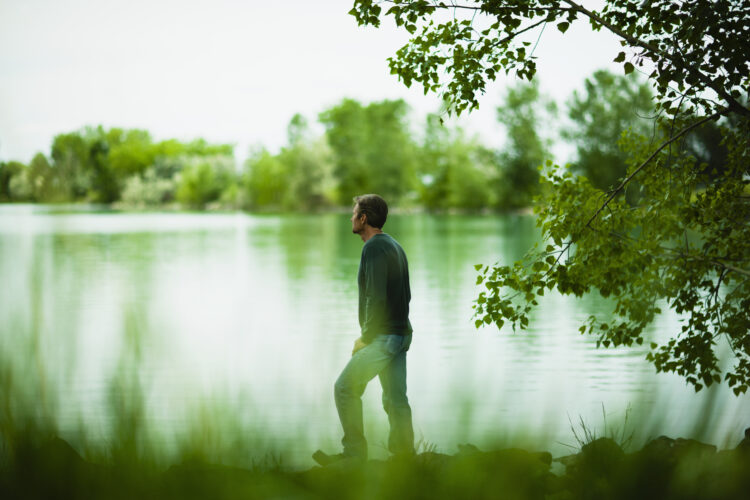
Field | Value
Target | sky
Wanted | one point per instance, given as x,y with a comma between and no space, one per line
230,71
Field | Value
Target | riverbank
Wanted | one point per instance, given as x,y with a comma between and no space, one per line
219,208
664,468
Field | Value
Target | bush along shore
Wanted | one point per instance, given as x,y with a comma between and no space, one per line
664,468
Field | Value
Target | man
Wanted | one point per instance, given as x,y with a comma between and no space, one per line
384,296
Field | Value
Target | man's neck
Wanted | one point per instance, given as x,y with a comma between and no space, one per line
369,232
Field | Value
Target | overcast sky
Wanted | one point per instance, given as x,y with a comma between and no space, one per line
227,70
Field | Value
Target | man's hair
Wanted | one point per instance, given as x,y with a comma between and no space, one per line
374,207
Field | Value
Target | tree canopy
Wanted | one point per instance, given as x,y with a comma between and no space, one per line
608,105
525,149
686,243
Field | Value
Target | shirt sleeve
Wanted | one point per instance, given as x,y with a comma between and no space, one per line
376,280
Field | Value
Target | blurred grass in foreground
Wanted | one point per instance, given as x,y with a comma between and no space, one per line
217,456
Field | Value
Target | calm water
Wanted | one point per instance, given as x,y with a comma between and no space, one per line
247,320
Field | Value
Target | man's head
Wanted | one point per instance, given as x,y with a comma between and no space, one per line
369,210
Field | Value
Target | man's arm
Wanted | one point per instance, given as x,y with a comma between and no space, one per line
376,281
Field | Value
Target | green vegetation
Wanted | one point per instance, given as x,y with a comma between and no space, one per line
213,455
681,241
106,166
453,170
649,213
526,150
365,148
609,106
663,469
373,151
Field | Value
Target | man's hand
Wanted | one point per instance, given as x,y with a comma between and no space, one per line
358,344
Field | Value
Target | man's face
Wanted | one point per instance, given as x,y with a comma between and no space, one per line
358,224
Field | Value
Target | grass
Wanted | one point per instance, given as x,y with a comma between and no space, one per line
217,456
584,433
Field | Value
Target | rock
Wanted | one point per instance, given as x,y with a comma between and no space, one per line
744,446
600,457
467,449
673,450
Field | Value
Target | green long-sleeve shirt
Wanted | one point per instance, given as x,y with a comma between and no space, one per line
384,293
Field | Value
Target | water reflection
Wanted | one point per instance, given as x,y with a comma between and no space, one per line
149,325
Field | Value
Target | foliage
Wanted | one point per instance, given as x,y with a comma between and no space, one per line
40,178
95,164
298,178
8,192
372,148
204,179
683,245
525,150
264,181
148,190
308,161
707,146
71,175
610,105
452,169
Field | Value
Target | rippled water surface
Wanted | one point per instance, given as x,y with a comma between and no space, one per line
250,319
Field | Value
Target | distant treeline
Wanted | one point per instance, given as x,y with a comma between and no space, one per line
365,148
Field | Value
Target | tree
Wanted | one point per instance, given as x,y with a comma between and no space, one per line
8,172
683,245
705,144
204,179
609,105
299,177
130,151
453,169
264,180
308,168
105,185
71,172
525,150
40,176
372,148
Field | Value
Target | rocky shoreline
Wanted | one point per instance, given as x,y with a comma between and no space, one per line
664,468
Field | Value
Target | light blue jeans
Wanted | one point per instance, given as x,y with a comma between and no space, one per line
385,357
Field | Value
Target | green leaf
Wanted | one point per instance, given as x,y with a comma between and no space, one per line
628,68
563,26
620,57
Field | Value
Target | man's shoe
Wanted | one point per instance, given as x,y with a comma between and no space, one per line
325,459
403,456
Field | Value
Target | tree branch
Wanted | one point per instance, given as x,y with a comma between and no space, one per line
515,34
731,268
443,5
651,157
733,104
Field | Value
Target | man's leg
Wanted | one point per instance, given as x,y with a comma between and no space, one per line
348,390
396,404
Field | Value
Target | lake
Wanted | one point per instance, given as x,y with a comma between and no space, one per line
214,324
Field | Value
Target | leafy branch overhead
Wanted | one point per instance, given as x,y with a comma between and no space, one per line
459,46
681,237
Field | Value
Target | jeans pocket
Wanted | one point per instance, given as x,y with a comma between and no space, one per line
393,344
397,343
